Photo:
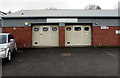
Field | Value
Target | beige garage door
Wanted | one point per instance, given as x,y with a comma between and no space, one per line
78,35
45,35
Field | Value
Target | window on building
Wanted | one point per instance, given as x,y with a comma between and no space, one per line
86,28
54,28
77,28
36,29
68,28
45,29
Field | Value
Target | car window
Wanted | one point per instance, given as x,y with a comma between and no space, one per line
3,39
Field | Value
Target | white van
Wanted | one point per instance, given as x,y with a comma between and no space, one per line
7,46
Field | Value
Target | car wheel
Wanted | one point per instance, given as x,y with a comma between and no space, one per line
8,56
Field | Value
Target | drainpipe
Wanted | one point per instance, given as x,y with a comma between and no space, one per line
1,22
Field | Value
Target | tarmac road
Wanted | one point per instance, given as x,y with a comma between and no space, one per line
63,62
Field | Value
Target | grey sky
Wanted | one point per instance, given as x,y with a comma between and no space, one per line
15,5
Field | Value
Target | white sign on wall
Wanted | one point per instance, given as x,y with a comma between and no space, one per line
104,27
62,20
117,31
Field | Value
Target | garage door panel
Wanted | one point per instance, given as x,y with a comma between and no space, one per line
35,36
55,36
69,35
45,39
45,36
87,35
79,35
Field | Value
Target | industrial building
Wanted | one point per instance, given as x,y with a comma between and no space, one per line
63,27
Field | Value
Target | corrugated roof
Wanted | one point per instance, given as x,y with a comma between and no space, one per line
64,13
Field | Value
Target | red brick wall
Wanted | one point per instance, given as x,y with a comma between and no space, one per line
105,37
61,36
22,35
100,37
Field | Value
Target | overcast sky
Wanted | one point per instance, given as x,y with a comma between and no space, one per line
15,5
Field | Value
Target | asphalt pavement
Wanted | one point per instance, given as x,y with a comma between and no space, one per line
69,61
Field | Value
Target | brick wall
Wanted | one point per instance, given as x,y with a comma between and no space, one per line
105,37
61,36
100,37
22,35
